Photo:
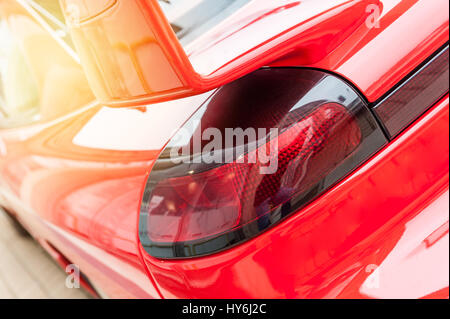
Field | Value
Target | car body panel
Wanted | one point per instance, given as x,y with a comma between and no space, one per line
294,37
330,248
375,59
140,61
76,181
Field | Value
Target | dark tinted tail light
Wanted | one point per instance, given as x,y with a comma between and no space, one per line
313,130
415,94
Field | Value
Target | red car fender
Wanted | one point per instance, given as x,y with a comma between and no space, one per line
329,249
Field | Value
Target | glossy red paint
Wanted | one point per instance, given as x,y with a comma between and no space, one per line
409,32
81,192
75,180
79,200
356,30
373,219
141,60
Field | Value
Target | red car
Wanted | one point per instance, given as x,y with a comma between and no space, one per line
231,148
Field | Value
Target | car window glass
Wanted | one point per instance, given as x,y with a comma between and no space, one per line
39,79
192,18
51,12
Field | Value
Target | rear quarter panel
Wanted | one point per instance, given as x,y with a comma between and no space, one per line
76,182
382,232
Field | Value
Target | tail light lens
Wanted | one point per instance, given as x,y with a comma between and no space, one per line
415,94
258,150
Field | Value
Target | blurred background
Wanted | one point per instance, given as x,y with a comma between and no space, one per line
26,270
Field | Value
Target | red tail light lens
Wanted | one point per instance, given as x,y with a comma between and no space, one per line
195,204
307,151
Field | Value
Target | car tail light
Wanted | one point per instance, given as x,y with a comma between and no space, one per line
296,132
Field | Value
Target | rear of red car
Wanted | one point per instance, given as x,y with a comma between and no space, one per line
289,149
